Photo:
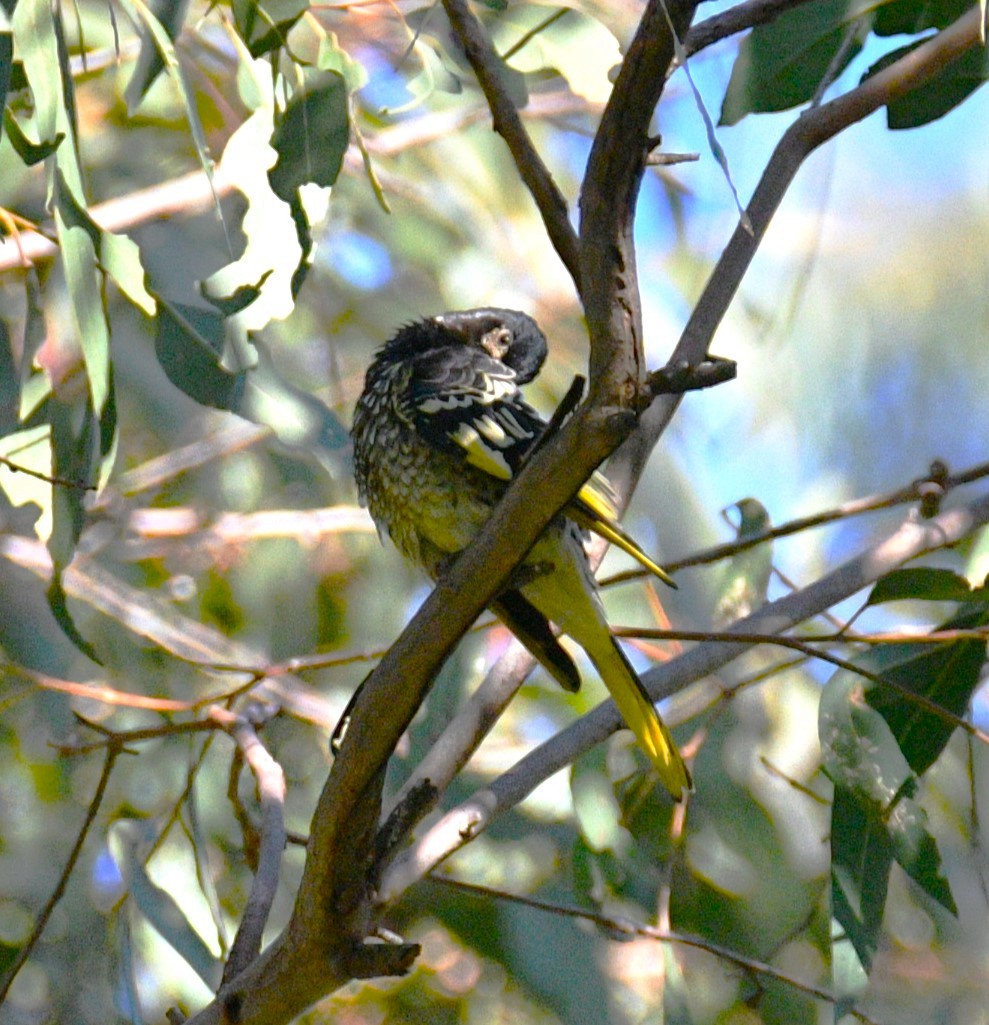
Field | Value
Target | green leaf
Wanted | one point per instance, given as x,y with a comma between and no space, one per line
29,448
270,259
189,342
298,419
6,58
916,851
940,93
117,255
945,674
910,17
781,64
60,610
264,26
333,57
163,912
596,806
239,299
311,137
569,42
27,149
74,437
920,584
8,955
874,817
861,857
35,387
859,749
35,33
140,14
86,297
171,14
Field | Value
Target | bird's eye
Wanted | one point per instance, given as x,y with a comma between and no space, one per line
496,342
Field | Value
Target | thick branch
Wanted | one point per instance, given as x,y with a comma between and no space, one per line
507,123
610,290
462,824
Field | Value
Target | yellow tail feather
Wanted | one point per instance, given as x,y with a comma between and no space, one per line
643,720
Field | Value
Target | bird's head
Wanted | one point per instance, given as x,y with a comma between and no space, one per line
509,336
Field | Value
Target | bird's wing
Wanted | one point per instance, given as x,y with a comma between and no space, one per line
595,508
467,404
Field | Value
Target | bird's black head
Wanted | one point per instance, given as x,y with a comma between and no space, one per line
512,337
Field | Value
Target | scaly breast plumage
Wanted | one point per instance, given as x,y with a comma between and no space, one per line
432,505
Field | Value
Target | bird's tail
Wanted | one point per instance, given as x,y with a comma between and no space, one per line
642,718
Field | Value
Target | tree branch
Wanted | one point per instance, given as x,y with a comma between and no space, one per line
322,943
610,291
506,122
271,787
736,19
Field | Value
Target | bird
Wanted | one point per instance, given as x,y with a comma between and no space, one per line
744,582
439,431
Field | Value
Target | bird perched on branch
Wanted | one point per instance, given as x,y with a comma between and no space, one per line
439,431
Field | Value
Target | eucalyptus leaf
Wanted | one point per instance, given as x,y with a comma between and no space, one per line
311,137
189,342
861,858
941,93
920,584
141,14
74,440
264,26
945,674
27,149
86,298
6,58
781,64
164,914
171,14
117,255
910,17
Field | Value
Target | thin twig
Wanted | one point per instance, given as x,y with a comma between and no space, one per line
736,19
25,952
527,37
270,781
872,503
630,928
507,123
62,482
124,738
806,647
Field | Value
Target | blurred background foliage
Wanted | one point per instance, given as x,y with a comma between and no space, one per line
860,334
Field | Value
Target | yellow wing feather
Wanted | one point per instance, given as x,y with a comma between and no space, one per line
594,509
